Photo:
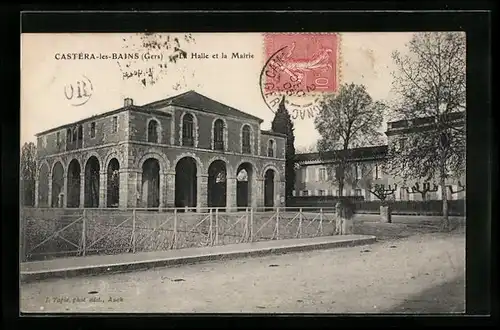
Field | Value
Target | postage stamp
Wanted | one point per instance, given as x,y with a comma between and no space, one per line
299,68
304,62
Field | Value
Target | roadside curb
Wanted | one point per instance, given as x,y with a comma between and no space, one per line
30,276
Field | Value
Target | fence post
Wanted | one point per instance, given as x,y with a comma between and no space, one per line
321,220
174,239
84,243
216,226
251,224
133,231
210,228
300,223
277,223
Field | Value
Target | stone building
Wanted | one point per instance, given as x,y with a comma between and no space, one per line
183,151
314,171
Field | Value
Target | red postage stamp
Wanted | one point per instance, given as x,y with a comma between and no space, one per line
303,62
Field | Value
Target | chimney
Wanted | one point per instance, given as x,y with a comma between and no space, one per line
128,101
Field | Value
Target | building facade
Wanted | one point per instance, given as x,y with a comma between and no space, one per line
315,172
183,151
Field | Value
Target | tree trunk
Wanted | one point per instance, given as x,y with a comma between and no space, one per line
444,196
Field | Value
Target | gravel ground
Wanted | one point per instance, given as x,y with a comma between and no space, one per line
422,273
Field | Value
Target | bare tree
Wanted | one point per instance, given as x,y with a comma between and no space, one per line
347,120
28,173
307,149
430,83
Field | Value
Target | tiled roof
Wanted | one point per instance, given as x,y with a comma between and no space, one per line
190,99
356,153
268,132
194,100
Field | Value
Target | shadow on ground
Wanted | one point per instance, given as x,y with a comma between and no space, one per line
384,231
446,298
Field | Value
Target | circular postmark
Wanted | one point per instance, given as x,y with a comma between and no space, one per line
79,91
299,71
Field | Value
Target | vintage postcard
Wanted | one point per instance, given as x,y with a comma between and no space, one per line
298,172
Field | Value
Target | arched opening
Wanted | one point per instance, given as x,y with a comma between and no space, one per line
58,185
74,171
113,189
185,183
187,130
217,186
43,186
269,188
151,183
219,135
244,185
245,136
153,131
270,148
91,192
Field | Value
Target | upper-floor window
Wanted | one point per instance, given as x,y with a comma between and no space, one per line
305,193
75,135
58,138
402,143
357,192
68,135
153,131
322,175
92,129
115,125
246,149
358,171
321,192
187,130
270,148
219,135
377,172
80,132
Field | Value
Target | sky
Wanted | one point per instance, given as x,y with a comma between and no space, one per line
46,78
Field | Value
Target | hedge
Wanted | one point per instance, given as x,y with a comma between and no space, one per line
431,207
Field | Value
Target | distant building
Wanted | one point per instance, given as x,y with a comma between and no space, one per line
314,171
183,151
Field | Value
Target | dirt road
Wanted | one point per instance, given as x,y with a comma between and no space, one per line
423,273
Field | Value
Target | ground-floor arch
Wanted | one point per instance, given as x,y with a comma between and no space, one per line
217,184
151,183
74,177
91,192
186,182
43,186
269,178
244,179
113,183
58,185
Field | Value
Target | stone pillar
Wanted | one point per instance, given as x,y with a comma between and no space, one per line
201,192
170,189
259,192
37,182
129,188
102,189
82,189
254,192
65,190
50,190
163,190
231,194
